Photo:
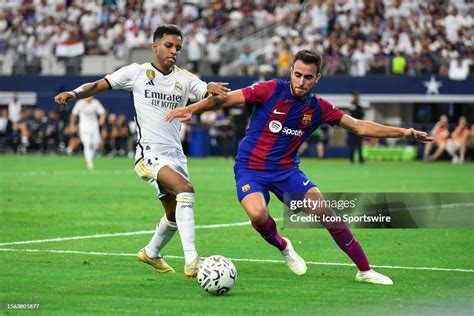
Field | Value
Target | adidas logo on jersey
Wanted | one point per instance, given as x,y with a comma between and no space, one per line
150,83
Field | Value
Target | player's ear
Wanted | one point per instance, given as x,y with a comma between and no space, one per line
154,47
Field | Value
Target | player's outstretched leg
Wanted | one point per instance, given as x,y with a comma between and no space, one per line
344,238
256,208
174,183
342,235
151,255
165,230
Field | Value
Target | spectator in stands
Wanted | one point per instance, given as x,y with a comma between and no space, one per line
14,109
6,130
457,144
426,63
121,133
354,141
52,131
360,60
247,62
459,68
71,138
214,54
399,64
107,143
284,60
195,45
36,126
440,133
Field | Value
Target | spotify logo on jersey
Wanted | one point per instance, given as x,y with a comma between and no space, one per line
275,126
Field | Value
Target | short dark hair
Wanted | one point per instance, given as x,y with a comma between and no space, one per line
309,57
169,29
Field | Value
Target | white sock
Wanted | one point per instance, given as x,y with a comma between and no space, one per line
164,232
185,222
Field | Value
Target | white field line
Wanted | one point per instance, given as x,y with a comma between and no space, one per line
140,232
84,172
237,259
66,173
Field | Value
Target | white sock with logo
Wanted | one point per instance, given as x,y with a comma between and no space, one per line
185,223
165,230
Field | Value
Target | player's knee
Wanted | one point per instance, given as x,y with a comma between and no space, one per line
258,216
185,187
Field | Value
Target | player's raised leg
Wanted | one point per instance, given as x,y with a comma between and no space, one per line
176,184
344,238
257,210
165,230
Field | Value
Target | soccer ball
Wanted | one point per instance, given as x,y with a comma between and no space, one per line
217,275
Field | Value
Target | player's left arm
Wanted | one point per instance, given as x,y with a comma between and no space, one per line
371,129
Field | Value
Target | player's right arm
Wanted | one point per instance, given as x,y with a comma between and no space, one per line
184,114
257,93
86,90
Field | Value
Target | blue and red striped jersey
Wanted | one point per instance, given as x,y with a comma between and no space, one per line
279,124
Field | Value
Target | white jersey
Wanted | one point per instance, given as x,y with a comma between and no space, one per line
154,95
88,113
14,111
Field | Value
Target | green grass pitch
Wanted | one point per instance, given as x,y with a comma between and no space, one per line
45,197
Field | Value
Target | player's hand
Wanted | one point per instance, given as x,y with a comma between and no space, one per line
217,88
64,98
184,114
413,134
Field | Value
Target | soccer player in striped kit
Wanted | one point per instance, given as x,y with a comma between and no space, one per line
284,115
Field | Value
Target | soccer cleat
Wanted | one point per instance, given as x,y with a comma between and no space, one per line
159,264
373,277
191,270
293,260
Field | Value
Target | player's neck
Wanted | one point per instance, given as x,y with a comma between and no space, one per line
162,68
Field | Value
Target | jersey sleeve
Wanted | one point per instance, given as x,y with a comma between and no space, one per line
100,108
75,109
330,113
124,77
197,87
259,92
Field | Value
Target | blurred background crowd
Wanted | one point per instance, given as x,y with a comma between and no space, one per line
255,38
357,37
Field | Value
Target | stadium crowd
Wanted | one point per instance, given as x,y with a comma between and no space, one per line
357,37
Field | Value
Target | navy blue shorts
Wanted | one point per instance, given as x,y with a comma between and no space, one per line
291,180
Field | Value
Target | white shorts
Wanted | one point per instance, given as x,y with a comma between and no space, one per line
148,168
90,137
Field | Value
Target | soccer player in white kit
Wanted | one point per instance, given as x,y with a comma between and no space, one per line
91,115
157,88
